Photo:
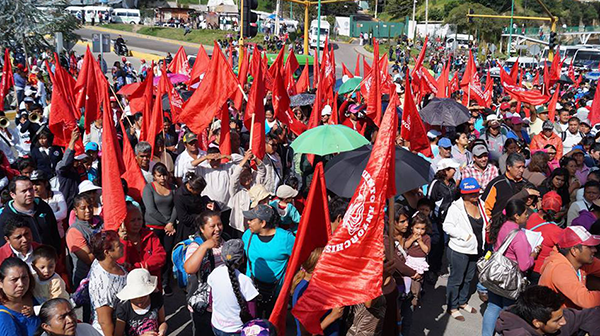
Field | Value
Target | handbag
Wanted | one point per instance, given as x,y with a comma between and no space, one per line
198,290
501,275
81,296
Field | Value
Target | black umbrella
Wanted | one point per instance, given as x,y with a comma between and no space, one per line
564,79
343,172
303,99
445,112
185,95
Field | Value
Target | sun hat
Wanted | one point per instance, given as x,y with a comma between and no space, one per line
261,211
576,235
285,191
446,163
469,186
87,185
552,201
257,193
326,110
139,283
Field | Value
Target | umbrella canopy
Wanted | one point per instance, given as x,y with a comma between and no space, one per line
445,112
128,89
594,75
352,84
185,95
303,99
174,78
328,139
565,79
343,172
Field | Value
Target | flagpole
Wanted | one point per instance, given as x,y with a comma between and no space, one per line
251,132
120,105
243,93
391,227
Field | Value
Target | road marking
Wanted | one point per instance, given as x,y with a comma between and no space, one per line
180,329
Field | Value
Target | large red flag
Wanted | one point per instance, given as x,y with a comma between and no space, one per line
303,82
442,82
350,270
471,80
412,128
200,65
281,100
147,103
255,107
552,104
514,71
489,89
113,195
366,66
175,100
374,94
594,114
218,85
290,67
8,80
63,114
138,100
133,174
555,68
180,64
86,89
534,97
357,66
313,232
346,72
419,62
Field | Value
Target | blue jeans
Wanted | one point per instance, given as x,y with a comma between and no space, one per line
218,332
462,272
495,304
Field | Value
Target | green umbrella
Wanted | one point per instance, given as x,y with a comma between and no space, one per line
352,84
328,139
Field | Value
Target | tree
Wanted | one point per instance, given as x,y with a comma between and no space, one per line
489,29
24,26
345,8
398,9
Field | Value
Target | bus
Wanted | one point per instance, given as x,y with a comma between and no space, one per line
324,33
129,16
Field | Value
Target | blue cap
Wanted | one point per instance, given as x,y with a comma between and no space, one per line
91,146
445,143
469,186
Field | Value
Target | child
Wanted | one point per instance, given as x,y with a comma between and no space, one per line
48,284
232,291
141,310
427,207
290,217
417,247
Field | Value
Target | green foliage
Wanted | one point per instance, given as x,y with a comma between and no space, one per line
345,8
398,9
266,5
201,36
489,29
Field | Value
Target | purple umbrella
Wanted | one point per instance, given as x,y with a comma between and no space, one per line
174,78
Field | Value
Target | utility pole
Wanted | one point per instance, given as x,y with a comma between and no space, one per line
413,19
510,29
318,27
376,3
426,17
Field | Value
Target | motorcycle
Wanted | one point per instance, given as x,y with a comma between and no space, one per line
121,49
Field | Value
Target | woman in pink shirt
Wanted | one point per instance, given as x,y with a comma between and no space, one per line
514,217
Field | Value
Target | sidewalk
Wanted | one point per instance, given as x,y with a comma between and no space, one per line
361,50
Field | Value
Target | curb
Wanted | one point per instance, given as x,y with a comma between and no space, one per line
153,38
134,53
361,50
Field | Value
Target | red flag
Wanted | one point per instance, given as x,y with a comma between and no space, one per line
63,114
357,66
514,71
534,97
578,81
313,232
291,65
334,119
374,94
552,104
429,82
571,71
281,100
419,62
175,100
536,79
133,174
147,104
8,80
180,64
225,136
200,65
442,82
555,68
356,247
546,88
346,72
277,65
256,107
489,89
141,99
243,79
471,80
594,114
217,86
412,128
454,85
327,75
113,196
366,67
86,89
303,82
230,59
316,71
156,118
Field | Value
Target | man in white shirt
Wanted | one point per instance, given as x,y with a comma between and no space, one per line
216,174
143,152
562,123
571,136
191,153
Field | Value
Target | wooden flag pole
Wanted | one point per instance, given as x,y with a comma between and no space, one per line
120,105
251,132
242,91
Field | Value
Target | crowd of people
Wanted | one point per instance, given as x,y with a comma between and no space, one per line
222,226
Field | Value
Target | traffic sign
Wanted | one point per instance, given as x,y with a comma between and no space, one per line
535,50
100,43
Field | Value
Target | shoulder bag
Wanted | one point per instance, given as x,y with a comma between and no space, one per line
501,275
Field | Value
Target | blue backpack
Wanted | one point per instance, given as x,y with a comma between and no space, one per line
178,258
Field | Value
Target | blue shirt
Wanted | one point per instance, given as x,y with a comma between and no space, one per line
332,330
19,81
289,216
17,324
269,259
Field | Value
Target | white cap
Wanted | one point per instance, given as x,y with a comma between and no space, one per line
491,117
326,110
558,106
446,163
433,134
87,185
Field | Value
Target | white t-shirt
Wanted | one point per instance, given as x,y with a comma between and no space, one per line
217,182
225,307
182,163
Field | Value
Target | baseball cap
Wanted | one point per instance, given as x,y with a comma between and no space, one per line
81,157
189,137
491,118
505,106
445,143
28,100
516,120
285,191
479,150
91,146
558,106
446,163
576,235
87,185
432,134
469,186
326,110
354,108
575,150
38,175
547,125
261,211
232,251
541,109
552,201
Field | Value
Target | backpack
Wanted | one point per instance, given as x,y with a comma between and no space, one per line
178,258
563,135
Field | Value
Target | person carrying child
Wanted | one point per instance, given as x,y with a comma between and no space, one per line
290,217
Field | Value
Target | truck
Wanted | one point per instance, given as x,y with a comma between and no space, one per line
314,32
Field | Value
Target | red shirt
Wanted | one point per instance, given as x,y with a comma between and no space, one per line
152,255
551,233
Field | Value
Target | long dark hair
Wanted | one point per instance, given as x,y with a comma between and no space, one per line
232,265
557,172
9,263
513,208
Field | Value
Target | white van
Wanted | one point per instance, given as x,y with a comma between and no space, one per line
75,10
129,16
524,62
588,58
94,11
462,41
325,28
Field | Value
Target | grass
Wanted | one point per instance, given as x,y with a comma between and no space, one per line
201,36
119,26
